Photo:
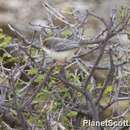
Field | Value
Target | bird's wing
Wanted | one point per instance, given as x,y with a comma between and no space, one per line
60,44
66,45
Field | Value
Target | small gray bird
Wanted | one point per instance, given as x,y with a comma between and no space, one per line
60,49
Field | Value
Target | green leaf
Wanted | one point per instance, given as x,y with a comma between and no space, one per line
66,33
32,71
66,122
4,40
44,93
39,78
71,114
122,13
8,59
108,90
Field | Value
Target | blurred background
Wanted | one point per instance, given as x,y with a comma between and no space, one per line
21,13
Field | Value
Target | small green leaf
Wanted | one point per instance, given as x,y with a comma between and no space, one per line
71,114
39,78
108,90
43,94
66,33
4,40
32,71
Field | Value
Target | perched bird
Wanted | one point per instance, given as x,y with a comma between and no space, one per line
60,49
63,50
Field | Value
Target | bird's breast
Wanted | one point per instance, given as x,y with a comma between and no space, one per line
60,55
